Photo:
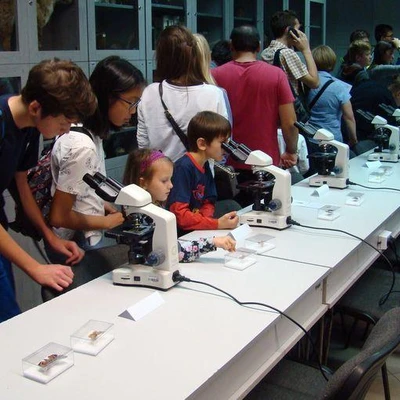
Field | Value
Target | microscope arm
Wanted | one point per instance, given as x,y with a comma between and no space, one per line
281,191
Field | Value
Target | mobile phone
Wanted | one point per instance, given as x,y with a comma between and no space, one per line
291,29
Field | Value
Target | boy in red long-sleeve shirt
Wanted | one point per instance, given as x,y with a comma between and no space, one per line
192,198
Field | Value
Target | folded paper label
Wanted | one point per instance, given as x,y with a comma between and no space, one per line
143,307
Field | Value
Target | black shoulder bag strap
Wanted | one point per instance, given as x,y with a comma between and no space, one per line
318,95
277,63
171,120
277,60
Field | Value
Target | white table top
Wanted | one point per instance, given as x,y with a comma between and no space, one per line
172,352
359,173
327,248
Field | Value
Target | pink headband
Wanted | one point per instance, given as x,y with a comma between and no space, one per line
153,156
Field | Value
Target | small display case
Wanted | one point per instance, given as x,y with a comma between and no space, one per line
377,176
261,243
239,260
92,337
355,198
329,212
48,362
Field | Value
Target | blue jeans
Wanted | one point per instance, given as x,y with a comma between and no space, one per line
8,303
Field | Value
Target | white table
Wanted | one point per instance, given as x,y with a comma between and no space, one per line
346,257
196,345
359,173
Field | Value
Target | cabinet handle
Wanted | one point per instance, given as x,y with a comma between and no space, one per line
30,2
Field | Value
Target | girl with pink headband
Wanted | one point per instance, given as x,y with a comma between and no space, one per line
152,170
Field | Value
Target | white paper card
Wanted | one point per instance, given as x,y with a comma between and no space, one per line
308,204
144,307
240,234
373,164
321,191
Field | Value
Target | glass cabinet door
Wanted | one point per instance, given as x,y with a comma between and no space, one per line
317,23
312,16
244,12
12,78
270,8
60,29
209,20
13,45
116,27
159,15
165,13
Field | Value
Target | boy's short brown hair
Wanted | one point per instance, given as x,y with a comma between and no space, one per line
61,88
358,48
207,125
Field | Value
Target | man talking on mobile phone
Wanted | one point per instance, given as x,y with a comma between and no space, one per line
289,38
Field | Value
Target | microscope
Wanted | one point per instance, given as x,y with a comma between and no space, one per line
392,112
149,230
332,159
272,199
385,136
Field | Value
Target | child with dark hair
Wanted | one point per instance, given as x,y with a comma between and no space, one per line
221,53
56,94
382,69
192,199
152,170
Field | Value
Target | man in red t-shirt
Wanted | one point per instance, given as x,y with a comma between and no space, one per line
260,98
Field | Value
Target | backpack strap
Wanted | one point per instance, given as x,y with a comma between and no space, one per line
277,60
319,94
81,129
172,121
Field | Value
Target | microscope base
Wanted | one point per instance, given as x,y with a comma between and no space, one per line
384,157
264,219
141,275
331,181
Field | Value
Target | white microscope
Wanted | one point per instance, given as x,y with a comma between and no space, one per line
153,253
332,166
386,137
273,210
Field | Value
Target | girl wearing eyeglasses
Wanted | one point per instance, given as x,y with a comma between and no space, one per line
77,212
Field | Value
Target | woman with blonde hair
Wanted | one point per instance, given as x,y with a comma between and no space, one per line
334,101
205,63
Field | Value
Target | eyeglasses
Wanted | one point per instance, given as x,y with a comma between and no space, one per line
131,105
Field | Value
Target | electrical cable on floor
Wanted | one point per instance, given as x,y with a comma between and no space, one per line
180,278
384,298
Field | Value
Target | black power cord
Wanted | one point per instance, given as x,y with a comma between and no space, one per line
384,298
177,277
370,187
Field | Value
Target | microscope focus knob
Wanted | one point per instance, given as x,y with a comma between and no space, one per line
155,258
275,204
